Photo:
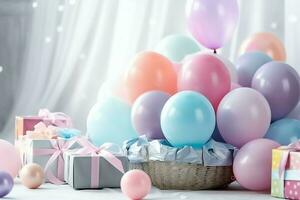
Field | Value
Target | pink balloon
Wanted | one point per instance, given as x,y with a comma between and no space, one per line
206,74
135,184
253,164
176,66
10,160
234,86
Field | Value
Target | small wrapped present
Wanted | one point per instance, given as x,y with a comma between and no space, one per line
95,167
48,153
286,171
27,123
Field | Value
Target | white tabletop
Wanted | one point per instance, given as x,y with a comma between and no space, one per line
54,192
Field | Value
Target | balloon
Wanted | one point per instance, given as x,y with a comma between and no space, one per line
6,183
32,176
234,86
295,113
145,114
188,118
267,43
176,66
176,47
10,159
253,164
135,184
229,65
279,83
206,74
284,131
247,64
243,115
109,121
150,71
212,22
113,88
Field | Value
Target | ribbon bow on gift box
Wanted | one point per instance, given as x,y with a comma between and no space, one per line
96,153
295,146
56,118
59,147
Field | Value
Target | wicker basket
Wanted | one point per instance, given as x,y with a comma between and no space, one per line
185,176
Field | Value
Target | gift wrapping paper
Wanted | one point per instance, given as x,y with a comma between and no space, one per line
286,173
49,155
79,171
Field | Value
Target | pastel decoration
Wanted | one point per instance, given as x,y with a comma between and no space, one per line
253,163
176,47
243,115
6,183
265,42
145,114
10,161
284,131
110,121
150,71
188,118
207,75
136,184
279,83
32,176
212,22
247,64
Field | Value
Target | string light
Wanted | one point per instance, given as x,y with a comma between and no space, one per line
34,4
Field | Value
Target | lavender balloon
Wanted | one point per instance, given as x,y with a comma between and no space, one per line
243,115
279,83
145,114
212,22
6,183
247,64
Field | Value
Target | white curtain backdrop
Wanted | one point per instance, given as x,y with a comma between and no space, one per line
57,53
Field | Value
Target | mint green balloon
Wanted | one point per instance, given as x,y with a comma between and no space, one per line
176,47
110,121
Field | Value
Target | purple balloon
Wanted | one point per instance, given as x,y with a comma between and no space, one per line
243,115
295,114
252,165
212,22
145,114
6,183
279,83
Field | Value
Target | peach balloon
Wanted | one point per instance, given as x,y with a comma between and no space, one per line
10,159
150,71
32,176
267,43
136,184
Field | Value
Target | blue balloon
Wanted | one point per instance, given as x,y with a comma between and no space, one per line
284,131
188,118
109,121
247,64
176,47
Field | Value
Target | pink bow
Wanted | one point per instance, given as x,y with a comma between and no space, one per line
96,153
42,131
59,147
295,146
56,118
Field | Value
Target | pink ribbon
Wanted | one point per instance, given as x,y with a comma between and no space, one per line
293,147
96,153
56,118
59,147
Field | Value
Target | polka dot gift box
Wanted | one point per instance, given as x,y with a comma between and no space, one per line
286,171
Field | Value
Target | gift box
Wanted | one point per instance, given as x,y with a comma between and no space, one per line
286,172
95,168
27,123
48,153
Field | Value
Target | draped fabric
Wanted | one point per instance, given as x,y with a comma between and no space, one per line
56,54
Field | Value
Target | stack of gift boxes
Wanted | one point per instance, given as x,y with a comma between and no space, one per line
66,156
